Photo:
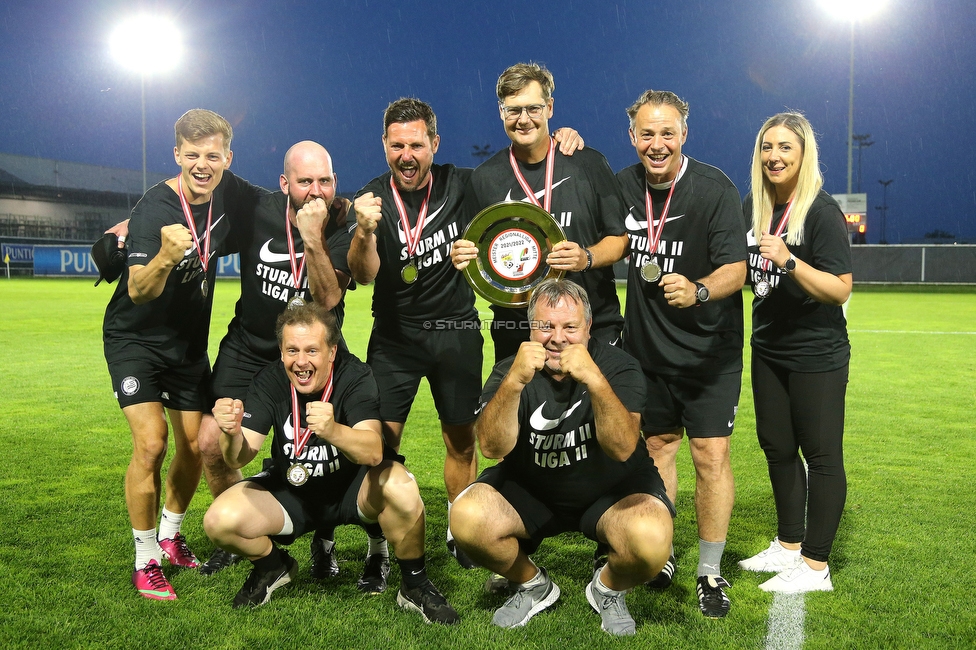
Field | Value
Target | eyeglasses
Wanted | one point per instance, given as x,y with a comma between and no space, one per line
515,112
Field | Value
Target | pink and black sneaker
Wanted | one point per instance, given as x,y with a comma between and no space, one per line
178,553
151,583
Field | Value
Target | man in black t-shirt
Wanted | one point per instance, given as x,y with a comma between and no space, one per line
579,191
425,323
156,330
683,320
293,244
328,465
564,415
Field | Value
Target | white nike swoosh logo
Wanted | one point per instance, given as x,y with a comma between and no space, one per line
273,258
538,194
633,224
213,225
540,423
731,423
430,216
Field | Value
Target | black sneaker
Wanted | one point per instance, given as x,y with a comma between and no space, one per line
375,571
429,603
460,556
259,586
219,559
324,563
711,596
663,580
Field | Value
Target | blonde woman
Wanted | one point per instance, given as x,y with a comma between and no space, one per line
800,272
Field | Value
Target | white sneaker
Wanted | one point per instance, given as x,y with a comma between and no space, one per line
799,580
776,558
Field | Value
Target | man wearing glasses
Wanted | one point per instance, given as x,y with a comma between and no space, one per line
580,192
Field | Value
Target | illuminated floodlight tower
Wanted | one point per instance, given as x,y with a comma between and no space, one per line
146,44
852,11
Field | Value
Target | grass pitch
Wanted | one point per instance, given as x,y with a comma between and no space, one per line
902,563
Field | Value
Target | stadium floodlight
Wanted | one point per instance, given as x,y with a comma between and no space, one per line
146,44
853,11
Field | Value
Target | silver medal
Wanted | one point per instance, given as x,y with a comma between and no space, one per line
762,287
296,302
409,273
204,288
651,272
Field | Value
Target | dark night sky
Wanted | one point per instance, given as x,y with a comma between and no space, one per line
287,70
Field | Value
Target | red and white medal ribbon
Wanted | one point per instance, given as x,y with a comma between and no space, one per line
412,235
188,215
302,435
550,165
783,222
654,233
296,269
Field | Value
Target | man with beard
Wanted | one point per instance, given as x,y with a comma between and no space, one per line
328,465
684,319
293,248
425,322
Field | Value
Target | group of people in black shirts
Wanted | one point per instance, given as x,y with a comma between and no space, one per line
585,409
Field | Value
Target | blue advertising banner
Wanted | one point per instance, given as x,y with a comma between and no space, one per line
76,261
17,252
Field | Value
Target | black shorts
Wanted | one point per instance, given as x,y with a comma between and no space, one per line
139,375
310,512
705,406
542,521
234,369
450,360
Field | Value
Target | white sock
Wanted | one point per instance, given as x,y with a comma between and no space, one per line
449,535
602,588
534,582
146,547
378,545
169,524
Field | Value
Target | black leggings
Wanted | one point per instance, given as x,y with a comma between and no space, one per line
803,411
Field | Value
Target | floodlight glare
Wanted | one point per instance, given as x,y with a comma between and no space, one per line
146,44
852,10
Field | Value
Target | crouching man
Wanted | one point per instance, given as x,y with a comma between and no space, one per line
328,465
564,416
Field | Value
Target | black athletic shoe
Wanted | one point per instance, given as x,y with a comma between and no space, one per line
259,586
324,563
663,580
460,556
219,559
375,572
429,603
712,600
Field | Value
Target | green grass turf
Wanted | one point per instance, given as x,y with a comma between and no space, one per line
902,564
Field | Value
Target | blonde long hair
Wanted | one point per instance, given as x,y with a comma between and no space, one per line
809,178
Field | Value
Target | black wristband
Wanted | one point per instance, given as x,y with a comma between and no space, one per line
589,259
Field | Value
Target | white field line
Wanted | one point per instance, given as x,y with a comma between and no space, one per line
907,332
785,626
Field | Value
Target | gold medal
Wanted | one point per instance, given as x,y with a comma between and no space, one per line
409,273
297,474
651,272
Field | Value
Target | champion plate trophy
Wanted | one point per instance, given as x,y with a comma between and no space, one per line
513,240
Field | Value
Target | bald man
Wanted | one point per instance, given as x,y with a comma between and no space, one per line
293,248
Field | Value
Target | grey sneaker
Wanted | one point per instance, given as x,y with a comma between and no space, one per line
526,603
612,608
499,585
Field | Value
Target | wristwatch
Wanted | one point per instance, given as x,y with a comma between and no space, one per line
790,265
701,293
